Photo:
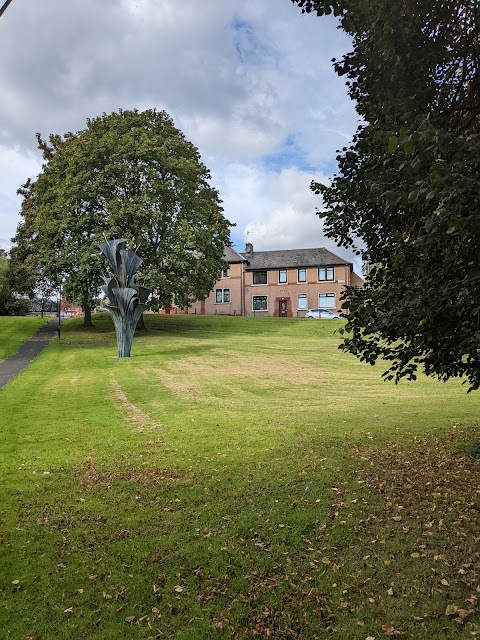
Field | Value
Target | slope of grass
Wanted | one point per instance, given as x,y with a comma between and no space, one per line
235,478
14,330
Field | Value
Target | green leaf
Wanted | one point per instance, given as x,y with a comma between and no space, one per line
392,144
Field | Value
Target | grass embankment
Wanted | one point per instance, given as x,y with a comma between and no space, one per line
14,330
235,478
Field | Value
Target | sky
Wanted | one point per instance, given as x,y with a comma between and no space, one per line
249,82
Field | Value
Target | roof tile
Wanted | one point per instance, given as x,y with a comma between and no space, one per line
292,258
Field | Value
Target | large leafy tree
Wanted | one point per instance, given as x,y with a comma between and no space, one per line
407,192
132,174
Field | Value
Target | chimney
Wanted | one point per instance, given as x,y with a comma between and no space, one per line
249,248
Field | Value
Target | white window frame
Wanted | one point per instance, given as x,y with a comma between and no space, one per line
303,297
323,305
298,274
222,296
259,284
226,273
326,273
280,272
266,303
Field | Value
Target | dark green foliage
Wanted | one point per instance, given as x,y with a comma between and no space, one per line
408,188
10,304
135,175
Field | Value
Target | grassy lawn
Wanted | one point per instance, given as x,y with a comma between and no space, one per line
235,478
14,330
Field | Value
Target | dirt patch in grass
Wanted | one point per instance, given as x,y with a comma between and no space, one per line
135,415
188,378
92,476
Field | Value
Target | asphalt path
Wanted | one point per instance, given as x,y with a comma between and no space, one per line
13,365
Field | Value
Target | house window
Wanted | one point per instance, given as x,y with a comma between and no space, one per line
259,303
302,275
282,276
325,273
326,300
302,301
222,295
259,277
226,273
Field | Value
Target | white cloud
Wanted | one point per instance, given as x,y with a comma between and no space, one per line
276,210
16,168
248,81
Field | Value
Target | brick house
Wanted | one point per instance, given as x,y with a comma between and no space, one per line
278,283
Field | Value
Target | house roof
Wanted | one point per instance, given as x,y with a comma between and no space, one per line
230,255
292,258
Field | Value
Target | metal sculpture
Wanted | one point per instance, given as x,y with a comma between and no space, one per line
127,299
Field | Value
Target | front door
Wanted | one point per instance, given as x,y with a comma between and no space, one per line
282,309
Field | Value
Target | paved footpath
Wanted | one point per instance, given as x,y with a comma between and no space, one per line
29,350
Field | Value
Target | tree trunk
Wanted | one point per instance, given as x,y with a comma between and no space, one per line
87,316
141,324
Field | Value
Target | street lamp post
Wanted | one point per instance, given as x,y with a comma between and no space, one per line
59,308
4,7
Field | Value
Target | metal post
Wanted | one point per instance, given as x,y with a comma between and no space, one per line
4,7
59,308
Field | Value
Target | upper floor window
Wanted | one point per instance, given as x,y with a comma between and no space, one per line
282,276
326,273
302,275
259,277
226,273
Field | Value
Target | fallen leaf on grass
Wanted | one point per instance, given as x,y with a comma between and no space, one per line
69,610
391,631
178,589
451,610
129,619
463,613
445,582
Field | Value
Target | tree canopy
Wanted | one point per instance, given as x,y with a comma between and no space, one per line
134,175
407,191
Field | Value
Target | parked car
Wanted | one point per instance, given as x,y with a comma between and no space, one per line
322,314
